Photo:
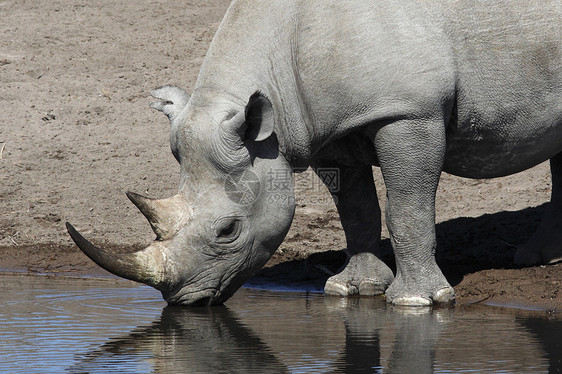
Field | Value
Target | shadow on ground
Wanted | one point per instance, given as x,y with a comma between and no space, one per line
465,245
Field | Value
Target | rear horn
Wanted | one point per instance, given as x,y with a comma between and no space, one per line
166,216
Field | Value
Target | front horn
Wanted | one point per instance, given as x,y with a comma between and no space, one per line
145,266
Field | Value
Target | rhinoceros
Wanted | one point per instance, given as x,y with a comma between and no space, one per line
415,87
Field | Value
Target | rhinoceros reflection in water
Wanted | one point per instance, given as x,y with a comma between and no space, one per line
216,340
360,335
188,341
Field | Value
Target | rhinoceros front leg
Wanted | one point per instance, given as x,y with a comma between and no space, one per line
545,246
358,207
411,155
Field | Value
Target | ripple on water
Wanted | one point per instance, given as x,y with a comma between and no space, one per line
75,325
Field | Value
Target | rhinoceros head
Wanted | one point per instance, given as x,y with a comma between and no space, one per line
234,206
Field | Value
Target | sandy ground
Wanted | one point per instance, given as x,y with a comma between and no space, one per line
76,133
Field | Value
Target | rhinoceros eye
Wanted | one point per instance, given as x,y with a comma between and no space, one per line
228,230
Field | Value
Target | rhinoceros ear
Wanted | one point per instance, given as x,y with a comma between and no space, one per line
171,100
260,119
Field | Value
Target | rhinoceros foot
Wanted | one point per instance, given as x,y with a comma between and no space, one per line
365,274
442,296
423,291
530,254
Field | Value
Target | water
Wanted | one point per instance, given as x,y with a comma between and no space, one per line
93,326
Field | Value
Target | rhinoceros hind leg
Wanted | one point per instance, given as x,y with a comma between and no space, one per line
545,246
357,203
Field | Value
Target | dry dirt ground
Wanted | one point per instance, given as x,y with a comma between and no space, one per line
76,133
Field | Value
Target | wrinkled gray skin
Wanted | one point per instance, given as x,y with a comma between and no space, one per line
415,87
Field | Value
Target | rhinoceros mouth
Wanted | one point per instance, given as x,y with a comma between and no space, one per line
206,297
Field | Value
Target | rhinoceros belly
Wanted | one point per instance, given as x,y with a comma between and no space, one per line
482,150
